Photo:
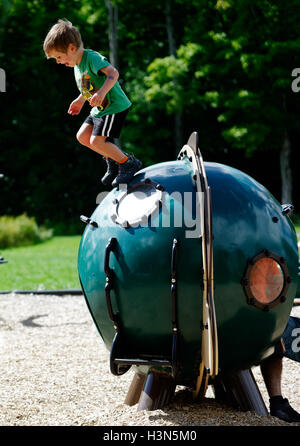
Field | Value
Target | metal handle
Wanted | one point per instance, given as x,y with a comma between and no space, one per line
287,209
88,221
109,281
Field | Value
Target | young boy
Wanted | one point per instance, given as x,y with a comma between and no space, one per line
98,83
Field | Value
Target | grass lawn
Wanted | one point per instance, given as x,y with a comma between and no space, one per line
49,265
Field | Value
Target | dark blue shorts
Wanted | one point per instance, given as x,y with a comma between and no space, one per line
108,125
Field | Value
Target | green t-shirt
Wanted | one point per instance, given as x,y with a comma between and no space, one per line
88,81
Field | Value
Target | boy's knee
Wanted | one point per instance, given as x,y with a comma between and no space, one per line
82,138
97,141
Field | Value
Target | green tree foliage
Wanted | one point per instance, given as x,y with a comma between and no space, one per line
229,79
238,62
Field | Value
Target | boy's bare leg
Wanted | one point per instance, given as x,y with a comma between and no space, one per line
271,370
84,135
107,148
99,144
125,166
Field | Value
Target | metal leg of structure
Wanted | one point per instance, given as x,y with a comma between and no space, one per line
241,391
135,389
158,390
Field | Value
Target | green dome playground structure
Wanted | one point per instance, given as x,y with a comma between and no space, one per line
189,272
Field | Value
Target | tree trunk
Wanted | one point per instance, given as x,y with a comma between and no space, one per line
113,41
113,33
4,13
170,29
178,139
286,171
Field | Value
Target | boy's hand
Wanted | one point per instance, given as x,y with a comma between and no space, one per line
76,106
97,99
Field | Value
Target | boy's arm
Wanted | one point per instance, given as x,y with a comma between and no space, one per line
112,75
76,105
81,98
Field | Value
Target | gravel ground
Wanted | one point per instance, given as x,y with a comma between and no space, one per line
55,372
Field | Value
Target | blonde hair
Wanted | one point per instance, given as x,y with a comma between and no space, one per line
60,36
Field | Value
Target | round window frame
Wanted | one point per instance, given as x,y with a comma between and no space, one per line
251,299
158,188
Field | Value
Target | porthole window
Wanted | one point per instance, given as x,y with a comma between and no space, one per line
135,205
266,280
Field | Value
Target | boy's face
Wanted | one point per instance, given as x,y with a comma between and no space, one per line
69,59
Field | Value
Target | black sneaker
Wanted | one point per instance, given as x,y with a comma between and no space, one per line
281,409
111,173
127,170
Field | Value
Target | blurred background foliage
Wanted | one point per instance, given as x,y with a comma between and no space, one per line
21,231
219,67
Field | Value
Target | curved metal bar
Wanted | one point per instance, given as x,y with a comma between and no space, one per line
209,361
174,356
109,281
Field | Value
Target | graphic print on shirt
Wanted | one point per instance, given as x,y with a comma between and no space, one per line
88,88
